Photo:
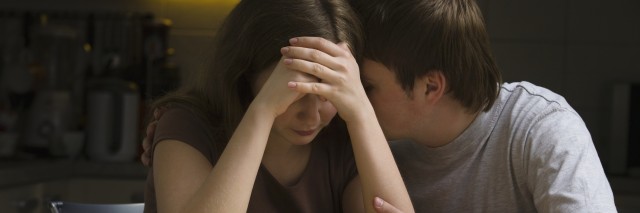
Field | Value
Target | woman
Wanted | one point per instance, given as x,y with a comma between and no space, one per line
239,139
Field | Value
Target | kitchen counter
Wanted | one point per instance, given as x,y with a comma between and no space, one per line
26,172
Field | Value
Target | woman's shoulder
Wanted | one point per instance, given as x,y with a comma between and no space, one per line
187,125
174,114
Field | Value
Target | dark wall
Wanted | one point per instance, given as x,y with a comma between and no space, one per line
577,48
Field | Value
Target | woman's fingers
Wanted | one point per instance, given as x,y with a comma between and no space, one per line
315,69
332,63
311,87
319,43
345,46
311,55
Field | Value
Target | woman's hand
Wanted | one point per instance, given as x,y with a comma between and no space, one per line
274,95
337,70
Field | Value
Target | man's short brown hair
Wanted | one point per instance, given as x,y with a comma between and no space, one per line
414,37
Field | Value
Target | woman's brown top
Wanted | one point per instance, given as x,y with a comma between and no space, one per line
320,188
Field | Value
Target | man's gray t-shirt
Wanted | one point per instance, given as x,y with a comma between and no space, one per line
530,153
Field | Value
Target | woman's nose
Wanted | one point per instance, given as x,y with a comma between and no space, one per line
310,109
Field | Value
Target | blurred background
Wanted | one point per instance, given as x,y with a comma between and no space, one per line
76,77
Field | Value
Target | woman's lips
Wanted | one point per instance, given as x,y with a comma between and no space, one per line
305,133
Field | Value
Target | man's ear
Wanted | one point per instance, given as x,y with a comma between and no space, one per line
431,85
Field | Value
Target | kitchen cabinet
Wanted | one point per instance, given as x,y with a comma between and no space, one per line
34,198
27,187
31,198
20,199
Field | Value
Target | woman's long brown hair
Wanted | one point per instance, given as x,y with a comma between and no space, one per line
248,42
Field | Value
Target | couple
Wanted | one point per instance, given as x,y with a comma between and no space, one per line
258,132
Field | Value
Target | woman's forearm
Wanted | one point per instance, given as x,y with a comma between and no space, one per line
228,185
378,171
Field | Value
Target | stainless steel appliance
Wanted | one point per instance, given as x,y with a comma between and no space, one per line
112,121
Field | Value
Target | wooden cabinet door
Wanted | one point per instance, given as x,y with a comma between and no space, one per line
20,199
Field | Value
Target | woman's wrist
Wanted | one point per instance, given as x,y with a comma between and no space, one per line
363,113
261,110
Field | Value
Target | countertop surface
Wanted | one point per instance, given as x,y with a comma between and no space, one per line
14,173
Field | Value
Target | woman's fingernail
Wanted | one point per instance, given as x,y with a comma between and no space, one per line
293,40
378,202
291,84
284,50
287,61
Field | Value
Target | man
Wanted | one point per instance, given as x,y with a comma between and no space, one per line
470,143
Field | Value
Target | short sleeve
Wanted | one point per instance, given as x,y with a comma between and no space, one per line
349,167
343,161
183,125
564,171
